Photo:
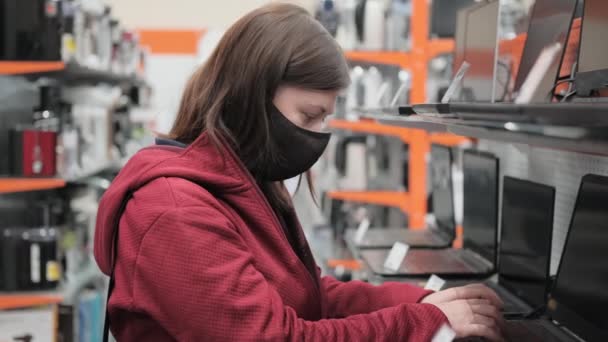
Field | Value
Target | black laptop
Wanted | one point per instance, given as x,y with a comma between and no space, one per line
478,257
524,254
439,235
578,305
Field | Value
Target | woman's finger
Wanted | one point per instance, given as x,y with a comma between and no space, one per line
480,291
488,311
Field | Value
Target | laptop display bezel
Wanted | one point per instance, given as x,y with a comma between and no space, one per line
469,243
520,78
446,228
561,313
586,81
502,281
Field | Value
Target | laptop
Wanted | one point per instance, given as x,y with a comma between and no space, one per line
592,73
550,24
524,254
578,304
457,62
476,32
478,257
439,235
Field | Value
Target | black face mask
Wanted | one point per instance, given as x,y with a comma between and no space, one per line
297,149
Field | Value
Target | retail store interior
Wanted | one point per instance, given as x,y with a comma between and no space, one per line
471,146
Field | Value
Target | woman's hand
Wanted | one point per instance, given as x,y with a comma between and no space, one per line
474,317
473,291
472,310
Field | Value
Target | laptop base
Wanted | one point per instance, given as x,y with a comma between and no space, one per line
445,263
540,330
384,238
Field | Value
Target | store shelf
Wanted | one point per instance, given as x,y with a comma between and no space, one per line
13,185
73,73
372,127
447,139
398,199
400,59
19,301
10,185
529,134
405,134
19,67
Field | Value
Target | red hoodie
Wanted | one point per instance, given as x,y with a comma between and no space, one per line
201,256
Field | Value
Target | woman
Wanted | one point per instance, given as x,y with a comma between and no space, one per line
201,236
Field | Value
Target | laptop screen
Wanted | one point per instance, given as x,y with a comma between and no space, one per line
525,239
593,48
550,23
441,176
480,52
480,218
580,294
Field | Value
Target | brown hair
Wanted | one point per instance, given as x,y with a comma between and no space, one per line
229,96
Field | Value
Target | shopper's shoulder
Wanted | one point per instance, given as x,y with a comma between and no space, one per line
177,192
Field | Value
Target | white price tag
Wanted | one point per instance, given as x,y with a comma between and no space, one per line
396,256
362,230
434,283
444,334
35,263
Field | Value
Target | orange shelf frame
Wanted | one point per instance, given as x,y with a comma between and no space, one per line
401,59
8,185
448,139
8,302
373,127
398,199
18,67
437,47
405,134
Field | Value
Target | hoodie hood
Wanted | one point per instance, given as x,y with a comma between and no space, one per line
217,169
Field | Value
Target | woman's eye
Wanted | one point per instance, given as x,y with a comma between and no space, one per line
309,117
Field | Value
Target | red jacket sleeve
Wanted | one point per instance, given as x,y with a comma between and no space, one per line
201,271
357,297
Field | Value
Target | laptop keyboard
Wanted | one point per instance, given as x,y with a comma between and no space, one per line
430,261
532,331
389,236
510,305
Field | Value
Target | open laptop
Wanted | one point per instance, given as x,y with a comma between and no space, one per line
578,302
524,254
550,23
592,70
460,31
439,235
478,257
476,33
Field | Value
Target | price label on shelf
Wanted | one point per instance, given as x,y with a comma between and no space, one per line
396,256
434,283
362,230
